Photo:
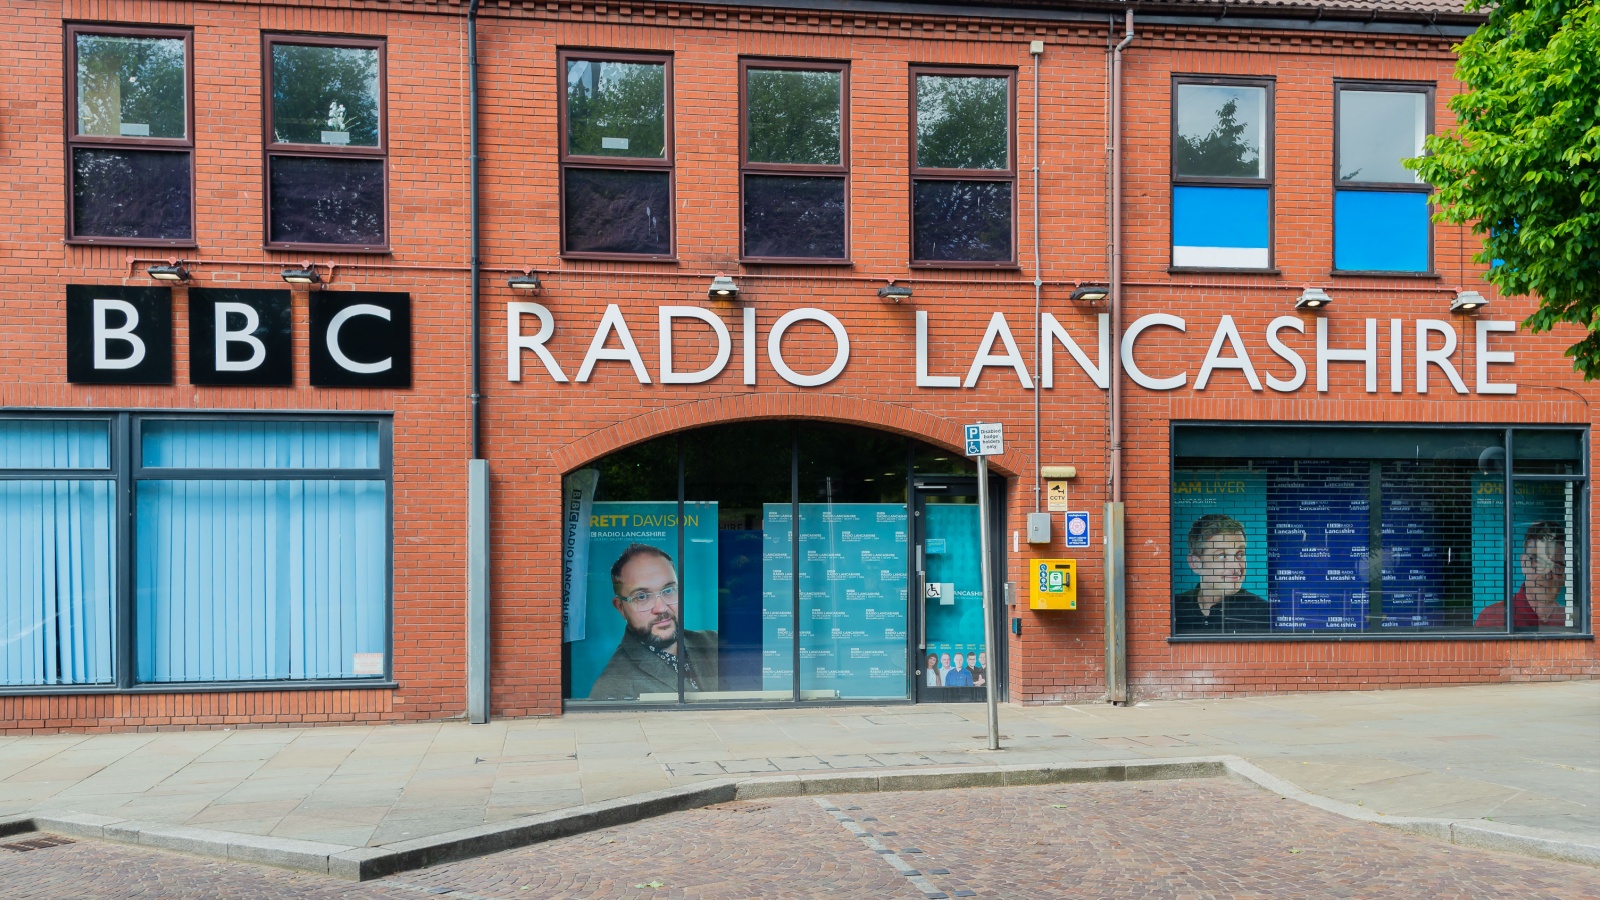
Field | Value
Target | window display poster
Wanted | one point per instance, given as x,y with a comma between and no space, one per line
1533,502
1238,494
852,572
953,627
1414,549
1317,518
612,528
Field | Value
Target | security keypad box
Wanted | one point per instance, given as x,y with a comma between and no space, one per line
1053,584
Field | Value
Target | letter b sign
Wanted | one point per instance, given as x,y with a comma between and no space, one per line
119,335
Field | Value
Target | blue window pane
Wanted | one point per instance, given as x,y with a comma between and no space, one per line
260,445
53,444
260,580
58,563
1380,231
1221,227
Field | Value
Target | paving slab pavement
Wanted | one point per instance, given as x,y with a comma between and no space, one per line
1513,754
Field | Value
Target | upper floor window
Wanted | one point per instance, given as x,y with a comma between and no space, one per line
795,163
325,146
963,167
1222,173
1380,208
131,138
616,155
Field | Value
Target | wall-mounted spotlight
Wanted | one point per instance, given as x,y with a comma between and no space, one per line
1312,298
723,288
1089,293
173,271
306,274
894,293
1468,302
527,281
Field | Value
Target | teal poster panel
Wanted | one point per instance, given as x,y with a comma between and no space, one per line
1534,502
777,598
951,559
612,527
1237,493
852,572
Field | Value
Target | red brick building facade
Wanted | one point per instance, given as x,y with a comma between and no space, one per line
537,427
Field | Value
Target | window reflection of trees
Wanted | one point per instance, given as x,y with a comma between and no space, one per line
1224,151
133,81
616,100
963,122
307,80
793,117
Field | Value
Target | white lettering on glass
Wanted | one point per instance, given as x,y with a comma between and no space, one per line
334,350
103,335
245,335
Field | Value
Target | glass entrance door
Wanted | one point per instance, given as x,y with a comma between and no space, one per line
952,660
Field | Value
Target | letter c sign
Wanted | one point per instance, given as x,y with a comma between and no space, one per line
360,339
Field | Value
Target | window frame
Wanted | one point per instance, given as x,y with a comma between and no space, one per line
566,160
74,141
1582,516
1267,180
841,171
126,470
916,172
271,149
1430,90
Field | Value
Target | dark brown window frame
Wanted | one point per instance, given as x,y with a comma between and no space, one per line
614,163
840,171
272,149
1427,88
1268,180
918,173
74,141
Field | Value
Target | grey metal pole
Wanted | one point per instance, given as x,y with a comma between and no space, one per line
988,602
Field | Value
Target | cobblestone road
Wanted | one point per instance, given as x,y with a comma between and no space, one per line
1193,839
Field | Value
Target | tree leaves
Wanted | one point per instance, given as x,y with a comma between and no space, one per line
1522,167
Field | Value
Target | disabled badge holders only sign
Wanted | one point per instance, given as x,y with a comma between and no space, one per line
1054,584
984,439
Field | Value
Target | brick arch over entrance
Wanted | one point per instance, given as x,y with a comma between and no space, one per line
890,417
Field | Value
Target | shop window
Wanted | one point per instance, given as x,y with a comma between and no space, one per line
58,553
1222,173
1380,208
257,550
130,146
325,144
795,177
963,176
681,583
1343,532
616,155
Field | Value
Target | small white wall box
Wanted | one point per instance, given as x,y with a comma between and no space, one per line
1038,528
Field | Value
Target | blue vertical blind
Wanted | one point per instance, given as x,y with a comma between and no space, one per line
57,555
260,578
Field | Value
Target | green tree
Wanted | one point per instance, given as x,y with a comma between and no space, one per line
1522,167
